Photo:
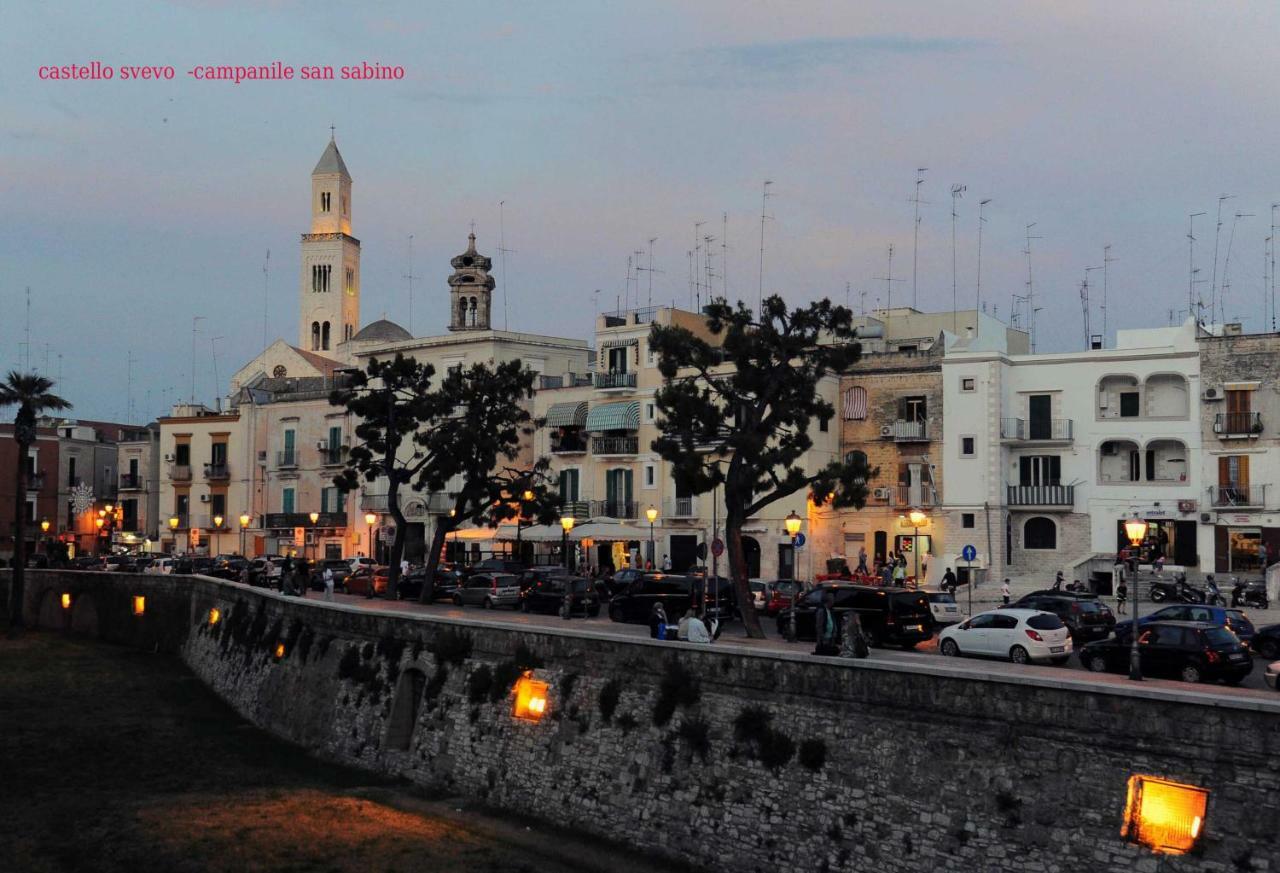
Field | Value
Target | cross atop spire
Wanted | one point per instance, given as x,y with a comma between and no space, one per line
332,135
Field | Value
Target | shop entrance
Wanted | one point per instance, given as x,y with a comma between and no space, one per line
1175,541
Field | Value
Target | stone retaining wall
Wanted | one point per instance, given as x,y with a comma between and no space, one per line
722,760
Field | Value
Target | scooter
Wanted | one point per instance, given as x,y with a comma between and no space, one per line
1252,594
1162,590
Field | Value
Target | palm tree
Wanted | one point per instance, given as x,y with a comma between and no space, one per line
30,393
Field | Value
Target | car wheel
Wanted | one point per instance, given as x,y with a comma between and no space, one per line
1157,596
1095,665
1018,655
949,648
488,604
1191,673
1268,649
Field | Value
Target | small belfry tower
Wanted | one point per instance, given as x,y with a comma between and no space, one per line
329,292
470,289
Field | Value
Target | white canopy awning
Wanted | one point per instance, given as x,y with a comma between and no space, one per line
533,533
604,531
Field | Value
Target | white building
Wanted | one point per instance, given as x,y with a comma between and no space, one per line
1047,454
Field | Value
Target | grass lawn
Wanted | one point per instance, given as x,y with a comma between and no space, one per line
118,760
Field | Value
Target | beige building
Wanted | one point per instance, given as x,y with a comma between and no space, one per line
139,488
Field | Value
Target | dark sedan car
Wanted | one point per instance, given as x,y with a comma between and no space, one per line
1187,650
547,596
1233,620
447,581
1087,617
675,593
1266,642
889,616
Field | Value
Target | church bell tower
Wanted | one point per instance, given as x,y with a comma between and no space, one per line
470,289
329,291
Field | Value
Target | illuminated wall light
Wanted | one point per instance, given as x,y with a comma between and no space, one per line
66,601
139,604
215,615
1166,817
279,650
531,698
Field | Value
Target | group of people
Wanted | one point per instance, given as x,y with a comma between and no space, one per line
690,629
892,571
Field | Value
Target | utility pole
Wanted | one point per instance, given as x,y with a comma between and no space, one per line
1272,290
915,247
977,306
1193,306
957,191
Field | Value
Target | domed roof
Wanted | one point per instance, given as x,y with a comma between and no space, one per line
382,330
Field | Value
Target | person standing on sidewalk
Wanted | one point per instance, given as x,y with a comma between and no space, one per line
1004,591
825,630
328,584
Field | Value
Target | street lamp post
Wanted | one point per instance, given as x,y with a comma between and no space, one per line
245,518
566,525
526,497
315,517
652,514
1136,530
792,523
369,519
217,530
44,529
174,521
917,518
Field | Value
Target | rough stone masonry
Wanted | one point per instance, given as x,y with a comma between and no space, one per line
718,760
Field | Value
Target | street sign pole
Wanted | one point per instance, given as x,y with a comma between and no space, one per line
969,553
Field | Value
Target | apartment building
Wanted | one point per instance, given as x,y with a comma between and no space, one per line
1046,455
1240,427
42,487
138,490
205,479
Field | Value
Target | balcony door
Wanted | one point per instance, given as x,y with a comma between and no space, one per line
1040,470
569,486
1040,417
1233,479
218,455
617,487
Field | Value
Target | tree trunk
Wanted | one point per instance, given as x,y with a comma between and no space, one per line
19,537
397,543
738,571
433,560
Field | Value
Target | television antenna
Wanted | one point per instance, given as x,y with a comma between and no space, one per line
982,204
409,276
1107,260
1031,290
1226,263
957,191
1193,305
888,280
764,201
1213,281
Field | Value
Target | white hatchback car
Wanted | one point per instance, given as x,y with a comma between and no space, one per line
1021,635
944,607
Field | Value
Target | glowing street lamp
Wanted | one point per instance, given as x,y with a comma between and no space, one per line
918,519
566,524
245,519
793,523
315,517
1136,530
652,514
369,519
44,525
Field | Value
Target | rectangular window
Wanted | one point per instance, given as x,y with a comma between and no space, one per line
650,411
71,473
618,360
287,501
351,280
335,440
650,475
218,454
823,425
182,455
912,409
967,519
968,384
968,446
1129,404
569,486
218,505
1040,470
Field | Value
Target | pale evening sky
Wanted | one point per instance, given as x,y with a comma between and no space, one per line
133,206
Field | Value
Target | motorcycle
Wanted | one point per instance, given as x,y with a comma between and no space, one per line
1252,594
1177,591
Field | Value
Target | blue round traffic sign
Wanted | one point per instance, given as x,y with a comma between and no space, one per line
798,541
969,553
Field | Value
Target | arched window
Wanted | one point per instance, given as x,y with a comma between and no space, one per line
1040,533
324,336
855,404
462,311
315,336
471,317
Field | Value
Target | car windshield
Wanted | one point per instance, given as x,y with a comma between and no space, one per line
1220,636
1237,618
1047,621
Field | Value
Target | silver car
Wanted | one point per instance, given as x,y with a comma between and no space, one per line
489,590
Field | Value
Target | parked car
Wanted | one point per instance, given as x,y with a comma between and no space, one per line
1021,635
889,616
547,594
759,594
503,566
1186,650
531,577
1087,617
944,607
1266,642
489,590
1223,616
228,568
1271,675
363,578
159,567
339,566
634,604
781,593
359,561
264,571
611,586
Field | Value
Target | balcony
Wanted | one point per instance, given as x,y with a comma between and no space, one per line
1042,496
1237,425
290,520
615,381
905,496
615,509
216,472
1238,496
334,457
681,507
1044,430
180,472
569,444
286,460
579,510
131,482
903,431
615,445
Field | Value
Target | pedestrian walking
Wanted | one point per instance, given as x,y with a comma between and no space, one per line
1004,591
1057,581
949,582
862,560
825,631
666,564
900,571
328,584
886,574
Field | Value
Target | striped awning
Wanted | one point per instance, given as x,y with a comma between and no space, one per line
567,414
855,403
624,415
619,343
